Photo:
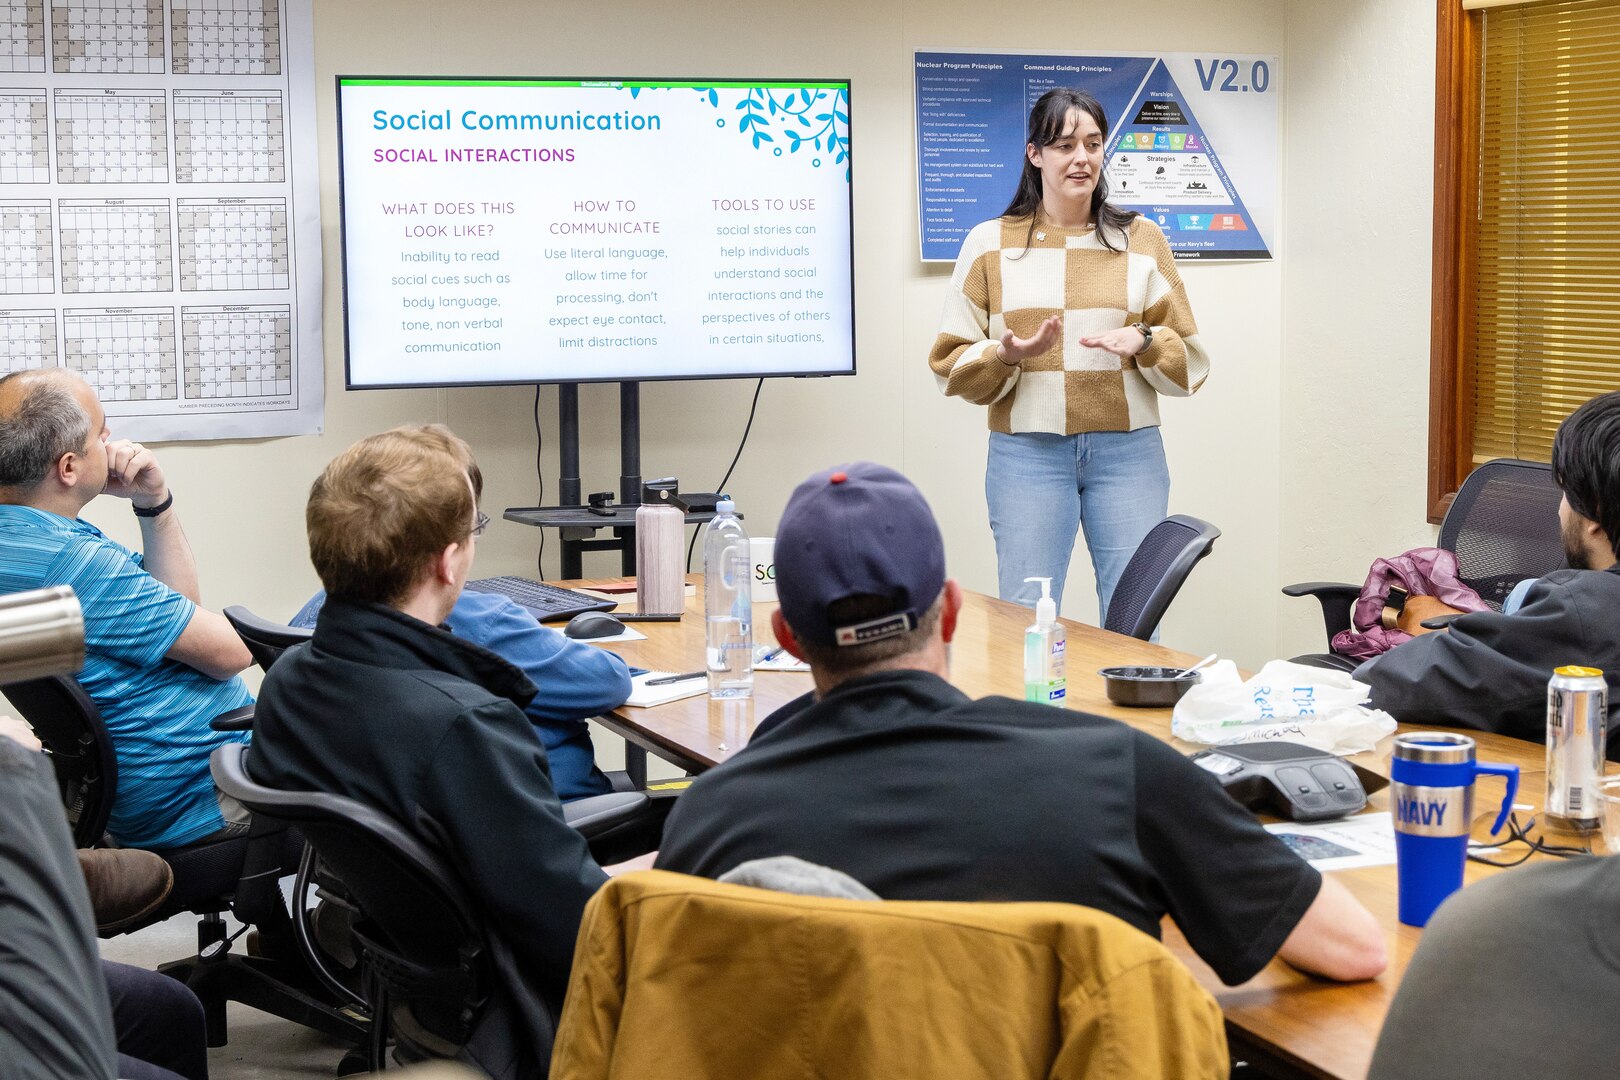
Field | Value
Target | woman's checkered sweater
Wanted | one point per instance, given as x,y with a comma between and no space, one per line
1000,285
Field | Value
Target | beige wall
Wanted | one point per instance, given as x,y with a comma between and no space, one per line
1358,162
1331,332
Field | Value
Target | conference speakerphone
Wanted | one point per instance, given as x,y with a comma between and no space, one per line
1292,781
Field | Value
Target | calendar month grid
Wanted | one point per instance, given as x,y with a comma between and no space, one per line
22,35
25,156
226,37
111,137
229,137
127,354
234,244
107,37
116,245
27,259
27,340
238,352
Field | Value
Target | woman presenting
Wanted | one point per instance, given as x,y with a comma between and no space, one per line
1067,317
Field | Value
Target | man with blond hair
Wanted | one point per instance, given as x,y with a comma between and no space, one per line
386,707
158,665
577,680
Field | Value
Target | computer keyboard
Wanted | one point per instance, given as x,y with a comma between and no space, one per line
546,602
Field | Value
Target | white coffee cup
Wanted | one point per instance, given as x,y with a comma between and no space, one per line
762,560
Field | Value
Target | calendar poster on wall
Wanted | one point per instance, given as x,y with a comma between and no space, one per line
159,214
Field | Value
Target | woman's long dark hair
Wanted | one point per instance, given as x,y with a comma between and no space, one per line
1047,122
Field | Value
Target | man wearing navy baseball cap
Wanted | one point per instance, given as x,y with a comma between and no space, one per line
890,774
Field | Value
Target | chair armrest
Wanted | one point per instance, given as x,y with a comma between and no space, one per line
600,813
1336,598
1329,661
236,720
1440,622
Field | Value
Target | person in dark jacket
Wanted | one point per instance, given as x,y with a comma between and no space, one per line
1059,805
1489,671
385,706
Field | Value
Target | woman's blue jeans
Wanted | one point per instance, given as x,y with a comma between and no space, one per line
1041,488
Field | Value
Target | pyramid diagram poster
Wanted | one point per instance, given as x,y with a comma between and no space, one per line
1192,142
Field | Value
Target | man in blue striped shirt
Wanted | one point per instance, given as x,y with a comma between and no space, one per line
158,665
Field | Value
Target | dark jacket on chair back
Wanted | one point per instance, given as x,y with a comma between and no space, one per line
425,727
1489,671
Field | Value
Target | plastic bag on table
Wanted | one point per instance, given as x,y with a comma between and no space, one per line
1285,702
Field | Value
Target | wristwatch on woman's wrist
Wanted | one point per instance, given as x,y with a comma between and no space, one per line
1147,335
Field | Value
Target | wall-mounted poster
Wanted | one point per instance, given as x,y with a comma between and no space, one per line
1192,142
160,227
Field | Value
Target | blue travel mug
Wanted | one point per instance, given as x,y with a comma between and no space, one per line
1432,791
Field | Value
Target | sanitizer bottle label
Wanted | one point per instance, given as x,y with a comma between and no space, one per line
1043,664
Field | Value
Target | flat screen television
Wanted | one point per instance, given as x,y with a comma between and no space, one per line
582,230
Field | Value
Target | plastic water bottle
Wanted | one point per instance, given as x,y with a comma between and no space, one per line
728,604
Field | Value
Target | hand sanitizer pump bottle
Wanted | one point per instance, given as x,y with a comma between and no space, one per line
1044,645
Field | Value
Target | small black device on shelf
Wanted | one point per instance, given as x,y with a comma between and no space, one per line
700,502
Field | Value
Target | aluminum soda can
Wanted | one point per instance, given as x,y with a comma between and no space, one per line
1577,714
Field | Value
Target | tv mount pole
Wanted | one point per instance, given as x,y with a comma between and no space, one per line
577,523
579,536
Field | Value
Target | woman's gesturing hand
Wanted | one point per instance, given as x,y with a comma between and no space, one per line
1015,350
1126,341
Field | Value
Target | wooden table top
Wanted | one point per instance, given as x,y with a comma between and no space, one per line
1283,1018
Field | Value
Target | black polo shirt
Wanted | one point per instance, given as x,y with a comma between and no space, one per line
906,784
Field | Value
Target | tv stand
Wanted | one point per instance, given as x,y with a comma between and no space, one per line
577,525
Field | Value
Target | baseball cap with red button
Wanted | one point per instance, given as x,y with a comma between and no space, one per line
857,530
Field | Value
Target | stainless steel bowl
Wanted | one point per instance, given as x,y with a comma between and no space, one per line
1148,687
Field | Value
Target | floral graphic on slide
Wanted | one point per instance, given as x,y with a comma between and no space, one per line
778,118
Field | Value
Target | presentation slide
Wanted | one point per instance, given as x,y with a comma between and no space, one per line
505,231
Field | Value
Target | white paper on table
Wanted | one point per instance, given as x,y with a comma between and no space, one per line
627,634
1363,840
781,660
643,696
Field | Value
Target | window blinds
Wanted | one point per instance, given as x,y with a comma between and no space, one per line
1545,291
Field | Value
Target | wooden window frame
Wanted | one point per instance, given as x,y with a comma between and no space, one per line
1456,149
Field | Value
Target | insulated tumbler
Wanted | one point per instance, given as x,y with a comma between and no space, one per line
1432,791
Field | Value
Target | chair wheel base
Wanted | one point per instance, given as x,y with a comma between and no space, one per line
354,1062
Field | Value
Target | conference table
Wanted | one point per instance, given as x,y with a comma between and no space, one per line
1285,1022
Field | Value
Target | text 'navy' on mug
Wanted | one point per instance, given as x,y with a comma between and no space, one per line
1432,793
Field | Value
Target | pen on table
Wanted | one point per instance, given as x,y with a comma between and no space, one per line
667,679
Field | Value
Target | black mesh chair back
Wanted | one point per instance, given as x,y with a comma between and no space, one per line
1503,527
420,937
1156,572
265,640
81,751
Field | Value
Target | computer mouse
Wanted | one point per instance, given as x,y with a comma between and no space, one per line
593,624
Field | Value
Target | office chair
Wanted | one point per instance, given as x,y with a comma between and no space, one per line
436,979
239,875
1156,572
265,640
81,753
680,976
1503,528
